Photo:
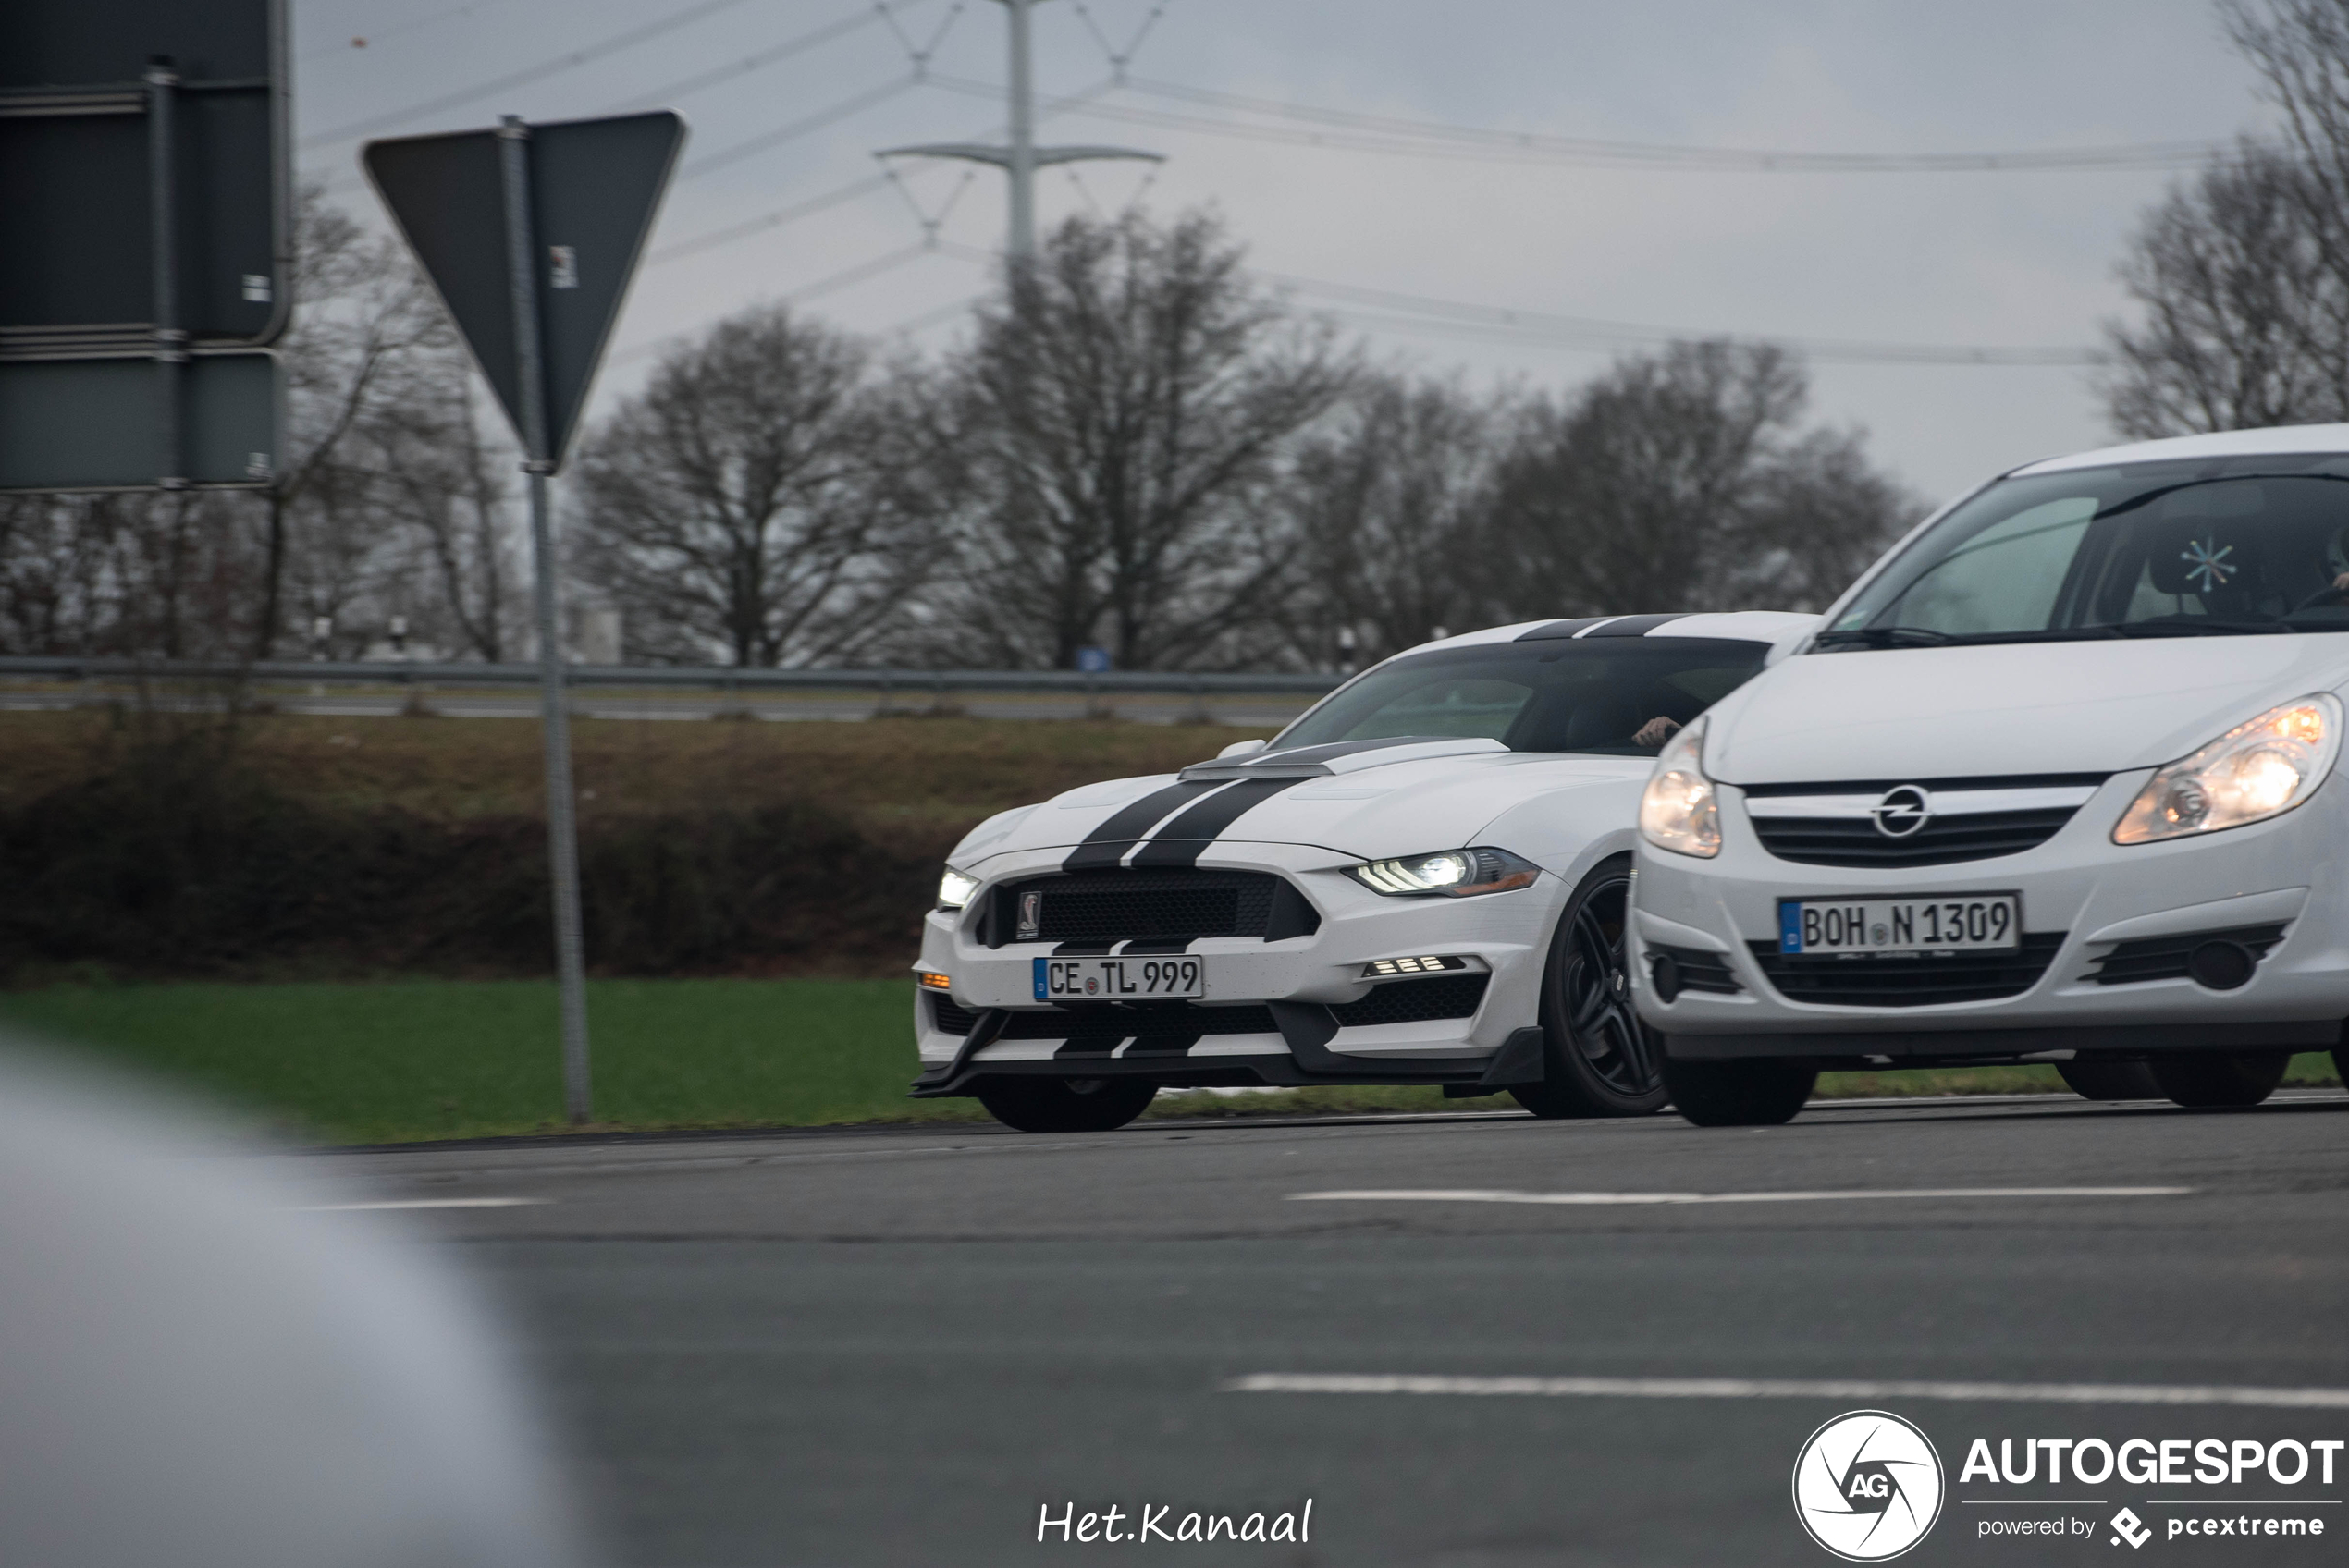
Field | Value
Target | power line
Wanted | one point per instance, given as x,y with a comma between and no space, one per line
1117,58
852,104
1827,351
1499,321
1346,131
832,198
765,221
1499,324
873,267
858,274
919,53
526,75
682,86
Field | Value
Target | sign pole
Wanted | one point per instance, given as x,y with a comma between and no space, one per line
171,338
562,832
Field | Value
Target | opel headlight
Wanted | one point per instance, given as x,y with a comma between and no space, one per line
954,889
1678,811
2253,772
1454,874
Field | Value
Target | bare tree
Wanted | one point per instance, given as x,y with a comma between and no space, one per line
1126,410
124,574
1387,502
759,498
1819,515
2242,274
2246,317
1681,481
444,483
370,341
61,587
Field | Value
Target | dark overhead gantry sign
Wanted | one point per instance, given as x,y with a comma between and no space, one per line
145,173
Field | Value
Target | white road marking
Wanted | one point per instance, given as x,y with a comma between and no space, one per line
1481,1194
421,1203
1776,1388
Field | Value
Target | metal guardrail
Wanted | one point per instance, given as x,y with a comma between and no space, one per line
711,678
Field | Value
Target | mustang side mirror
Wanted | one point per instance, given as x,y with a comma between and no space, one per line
1242,749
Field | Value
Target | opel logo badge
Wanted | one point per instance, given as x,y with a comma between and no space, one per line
1904,810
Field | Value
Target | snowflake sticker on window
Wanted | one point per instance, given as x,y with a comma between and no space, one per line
2207,566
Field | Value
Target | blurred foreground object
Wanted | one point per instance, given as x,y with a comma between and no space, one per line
196,1372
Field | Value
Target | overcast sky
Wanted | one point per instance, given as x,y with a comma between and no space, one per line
2004,258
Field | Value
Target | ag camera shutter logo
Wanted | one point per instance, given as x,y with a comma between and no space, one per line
1868,1486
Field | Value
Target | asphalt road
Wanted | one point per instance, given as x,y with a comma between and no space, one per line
897,1347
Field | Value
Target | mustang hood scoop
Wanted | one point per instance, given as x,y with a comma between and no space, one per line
1343,756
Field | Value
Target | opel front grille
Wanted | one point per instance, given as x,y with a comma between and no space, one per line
1933,822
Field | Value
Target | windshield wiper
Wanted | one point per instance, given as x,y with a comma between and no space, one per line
1919,637
2198,627
1885,637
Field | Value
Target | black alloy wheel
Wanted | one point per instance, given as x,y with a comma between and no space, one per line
2220,1079
1065,1105
1600,1059
2093,1080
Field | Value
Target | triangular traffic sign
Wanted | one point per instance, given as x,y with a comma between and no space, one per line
595,186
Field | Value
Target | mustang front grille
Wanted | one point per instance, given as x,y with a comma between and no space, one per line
1145,904
1906,980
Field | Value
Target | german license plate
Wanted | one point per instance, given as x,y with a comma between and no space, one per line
1175,977
1973,922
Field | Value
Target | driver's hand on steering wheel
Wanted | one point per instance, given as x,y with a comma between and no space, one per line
2338,592
1655,731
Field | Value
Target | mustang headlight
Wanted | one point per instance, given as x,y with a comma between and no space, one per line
1678,811
2253,772
1454,874
954,889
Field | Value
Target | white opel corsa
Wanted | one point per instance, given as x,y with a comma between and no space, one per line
1421,880
2053,781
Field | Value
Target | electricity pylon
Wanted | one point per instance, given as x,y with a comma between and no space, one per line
1021,158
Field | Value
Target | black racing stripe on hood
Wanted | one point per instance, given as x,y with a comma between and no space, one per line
1558,629
1180,841
1636,625
1107,844
1331,749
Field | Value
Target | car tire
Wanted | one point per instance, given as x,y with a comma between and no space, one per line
1738,1094
1598,1058
2110,1080
2213,1080
1065,1105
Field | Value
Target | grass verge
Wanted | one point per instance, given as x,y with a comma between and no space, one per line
408,1061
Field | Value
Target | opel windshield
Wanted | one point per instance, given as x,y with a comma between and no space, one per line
2214,547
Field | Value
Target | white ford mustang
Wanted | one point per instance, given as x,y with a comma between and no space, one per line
1421,880
2055,781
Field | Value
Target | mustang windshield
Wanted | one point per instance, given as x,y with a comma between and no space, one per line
1591,694
2210,548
